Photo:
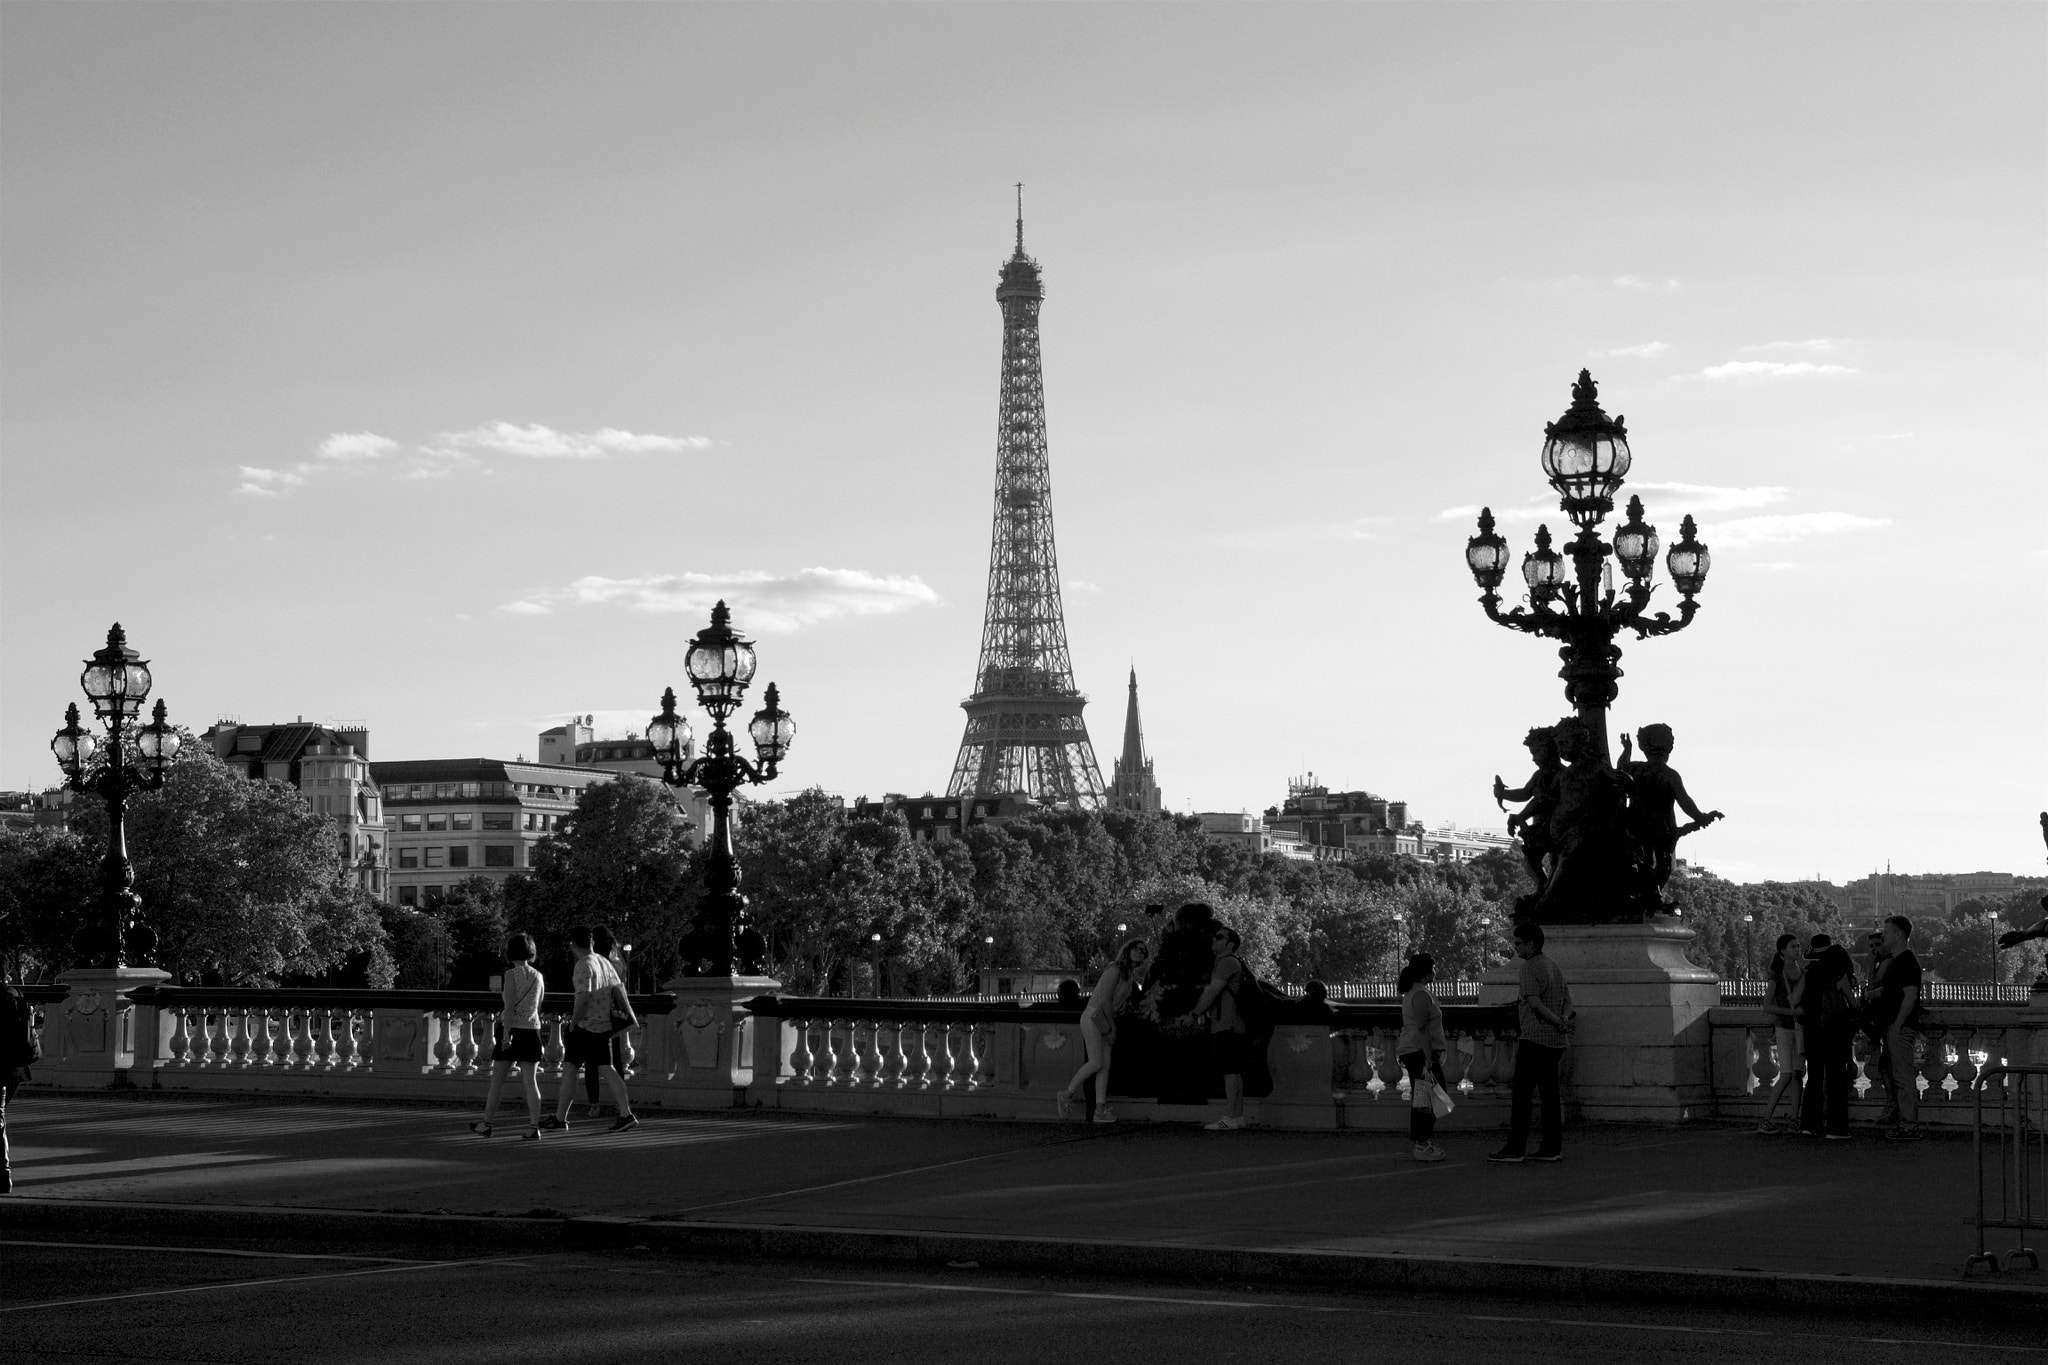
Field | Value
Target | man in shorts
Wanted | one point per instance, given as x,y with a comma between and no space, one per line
1228,1038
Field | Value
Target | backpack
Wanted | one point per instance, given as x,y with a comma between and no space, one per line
1254,1005
1834,1013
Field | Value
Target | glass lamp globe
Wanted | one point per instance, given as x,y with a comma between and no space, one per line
116,678
771,729
1586,455
1543,568
720,663
1688,560
1635,543
1486,554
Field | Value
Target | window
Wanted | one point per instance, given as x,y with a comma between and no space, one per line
458,855
461,821
419,792
408,857
498,855
532,820
497,819
443,790
437,821
409,822
437,857
408,895
434,894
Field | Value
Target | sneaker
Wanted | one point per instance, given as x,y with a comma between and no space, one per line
1837,1137
1104,1114
530,1135
625,1121
1769,1129
555,1125
1064,1103
1504,1157
1225,1125
1427,1151
480,1128
1901,1133
1548,1156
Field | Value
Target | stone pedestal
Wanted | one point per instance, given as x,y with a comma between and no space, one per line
90,1041
709,1039
1642,1047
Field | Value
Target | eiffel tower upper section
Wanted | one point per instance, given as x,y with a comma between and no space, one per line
1024,727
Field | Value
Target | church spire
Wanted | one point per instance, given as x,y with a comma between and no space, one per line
1132,787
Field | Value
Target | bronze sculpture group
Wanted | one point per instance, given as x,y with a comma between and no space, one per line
1600,839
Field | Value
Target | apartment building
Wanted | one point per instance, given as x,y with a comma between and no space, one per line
330,767
455,818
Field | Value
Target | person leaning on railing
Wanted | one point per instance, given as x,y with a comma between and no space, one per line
1787,970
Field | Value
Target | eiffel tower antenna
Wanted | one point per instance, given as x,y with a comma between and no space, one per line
1024,728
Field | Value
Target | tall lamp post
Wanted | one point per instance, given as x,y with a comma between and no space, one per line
116,680
1992,954
1749,947
1586,457
720,664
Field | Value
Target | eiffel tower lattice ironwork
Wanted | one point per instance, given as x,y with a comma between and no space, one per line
1024,727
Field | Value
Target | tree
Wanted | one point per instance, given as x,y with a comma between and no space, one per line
619,859
46,878
237,877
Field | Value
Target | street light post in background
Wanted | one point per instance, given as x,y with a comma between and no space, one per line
1485,942
876,940
1992,953
116,680
1749,947
720,664
1586,457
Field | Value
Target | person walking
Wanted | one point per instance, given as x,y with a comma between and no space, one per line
17,1054
1098,1028
602,943
588,1039
1898,1002
517,1040
1787,969
1421,1050
1227,1033
1826,1003
1545,1012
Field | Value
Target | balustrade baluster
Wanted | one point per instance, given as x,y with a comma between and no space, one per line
181,1036
800,1051
960,1044
348,1050
1990,1044
263,1046
296,1045
1457,1061
1967,1068
1360,1068
1764,1059
917,1061
465,1042
552,1048
889,1045
984,1056
1863,1062
1504,1060
830,1052
867,1056
217,1039
238,1042
322,1023
1386,1066
444,1042
1940,1053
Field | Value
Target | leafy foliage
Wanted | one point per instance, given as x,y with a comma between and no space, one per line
46,877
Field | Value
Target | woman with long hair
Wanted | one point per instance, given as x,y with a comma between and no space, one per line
517,1038
1421,1050
1098,1027
1787,971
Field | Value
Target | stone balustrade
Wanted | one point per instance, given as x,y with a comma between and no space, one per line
1951,1050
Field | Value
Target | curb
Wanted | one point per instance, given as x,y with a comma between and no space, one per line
1549,1281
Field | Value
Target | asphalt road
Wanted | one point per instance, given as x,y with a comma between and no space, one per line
97,1302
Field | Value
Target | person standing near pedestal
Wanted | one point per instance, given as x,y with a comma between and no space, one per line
17,1053
1228,1038
1546,1026
1897,1002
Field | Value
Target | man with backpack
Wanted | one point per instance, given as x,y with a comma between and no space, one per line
18,1052
1229,1036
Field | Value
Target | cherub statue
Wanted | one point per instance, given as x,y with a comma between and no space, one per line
2013,938
1532,821
1658,793
1594,878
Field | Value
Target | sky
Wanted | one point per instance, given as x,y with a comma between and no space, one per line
437,366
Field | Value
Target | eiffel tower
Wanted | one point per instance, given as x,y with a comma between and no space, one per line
1024,727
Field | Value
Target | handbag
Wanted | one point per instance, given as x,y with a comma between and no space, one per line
1440,1100
623,1017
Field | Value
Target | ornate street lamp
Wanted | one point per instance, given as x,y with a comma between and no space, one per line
720,664
1586,457
134,758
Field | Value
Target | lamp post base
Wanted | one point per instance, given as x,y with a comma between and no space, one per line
91,1044
1641,1049
710,1038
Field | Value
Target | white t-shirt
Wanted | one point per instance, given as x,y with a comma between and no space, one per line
523,988
596,975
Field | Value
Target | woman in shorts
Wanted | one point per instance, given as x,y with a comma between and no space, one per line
1787,970
518,1038
1098,1028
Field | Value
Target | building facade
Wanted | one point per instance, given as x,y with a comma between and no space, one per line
330,767
451,819
941,819
577,745
1338,825
1250,833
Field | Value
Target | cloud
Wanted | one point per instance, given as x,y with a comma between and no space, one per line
1784,527
360,445
1664,501
760,601
545,443
1642,352
1079,585
1637,282
1811,346
268,483
1766,369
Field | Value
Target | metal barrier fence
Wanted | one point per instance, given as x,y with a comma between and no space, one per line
2017,1198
